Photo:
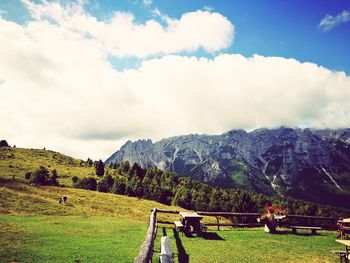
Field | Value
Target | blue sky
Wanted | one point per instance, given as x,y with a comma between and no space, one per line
86,76
270,28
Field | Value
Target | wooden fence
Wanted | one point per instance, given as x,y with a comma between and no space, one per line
249,219
146,251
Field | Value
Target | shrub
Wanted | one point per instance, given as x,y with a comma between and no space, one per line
28,175
102,186
88,183
3,143
119,185
105,184
54,178
40,176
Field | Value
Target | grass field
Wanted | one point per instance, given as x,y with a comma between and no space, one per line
252,245
100,227
93,227
69,239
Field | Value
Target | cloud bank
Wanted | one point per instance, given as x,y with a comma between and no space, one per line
122,36
329,22
59,90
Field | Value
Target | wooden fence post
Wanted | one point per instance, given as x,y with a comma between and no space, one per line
146,251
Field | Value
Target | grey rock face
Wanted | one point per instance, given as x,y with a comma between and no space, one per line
283,161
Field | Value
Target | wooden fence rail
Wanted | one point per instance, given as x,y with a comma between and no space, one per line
167,211
227,214
313,217
231,214
146,251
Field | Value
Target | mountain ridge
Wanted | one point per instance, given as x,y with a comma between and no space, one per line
308,163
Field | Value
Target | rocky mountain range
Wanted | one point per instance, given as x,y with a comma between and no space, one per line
307,164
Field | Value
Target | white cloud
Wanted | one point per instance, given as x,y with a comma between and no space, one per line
58,90
121,35
156,12
329,22
147,2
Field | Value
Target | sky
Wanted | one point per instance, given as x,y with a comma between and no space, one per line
83,77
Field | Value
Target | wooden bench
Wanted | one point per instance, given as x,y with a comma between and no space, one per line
312,228
178,226
342,254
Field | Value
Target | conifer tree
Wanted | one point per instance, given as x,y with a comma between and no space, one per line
100,168
54,178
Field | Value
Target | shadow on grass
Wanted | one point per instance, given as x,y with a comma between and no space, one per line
183,257
305,234
282,232
289,232
211,236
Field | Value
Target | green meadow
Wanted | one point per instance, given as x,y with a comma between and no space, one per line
99,227
69,239
103,227
93,227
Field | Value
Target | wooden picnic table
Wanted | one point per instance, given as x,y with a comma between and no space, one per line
343,254
191,221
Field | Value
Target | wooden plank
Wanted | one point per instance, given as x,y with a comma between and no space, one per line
312,217
338,251
167,211
236,225
312,228
220,224
178,224
146,251
165,222
165,255
190,215
344,242
306,227
225,214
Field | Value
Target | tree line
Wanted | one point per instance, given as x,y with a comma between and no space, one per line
170,189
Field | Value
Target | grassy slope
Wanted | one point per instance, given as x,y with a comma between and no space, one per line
17,161
94,227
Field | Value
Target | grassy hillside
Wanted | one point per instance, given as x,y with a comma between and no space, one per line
17,161
93,227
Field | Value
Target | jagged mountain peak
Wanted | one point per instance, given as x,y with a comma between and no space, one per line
285,161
